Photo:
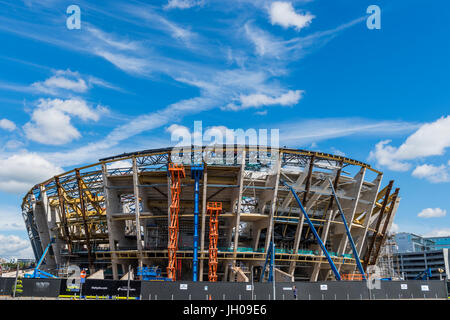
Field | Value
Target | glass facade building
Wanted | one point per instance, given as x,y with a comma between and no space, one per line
410,242
440,242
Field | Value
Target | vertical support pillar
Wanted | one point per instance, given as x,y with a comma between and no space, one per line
52,227
372,198
112,248
355,194
40,219
62,210
273,203
306,174
239,202
137,212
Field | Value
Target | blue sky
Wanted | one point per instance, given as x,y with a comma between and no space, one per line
312,69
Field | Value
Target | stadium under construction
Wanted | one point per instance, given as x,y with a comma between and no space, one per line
222,215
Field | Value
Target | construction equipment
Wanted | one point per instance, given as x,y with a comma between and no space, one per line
177,173
424,275
353,277
37,273
196,174
151,274
349,235
311,226
214,209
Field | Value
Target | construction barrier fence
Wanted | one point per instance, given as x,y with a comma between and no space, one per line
330,290
188,290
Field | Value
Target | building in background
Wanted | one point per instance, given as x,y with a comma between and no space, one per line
440,242
410,242
410,264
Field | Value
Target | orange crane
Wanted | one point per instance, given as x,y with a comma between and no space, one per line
214,209
177,173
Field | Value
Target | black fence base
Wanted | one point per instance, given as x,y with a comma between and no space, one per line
156,290
331,290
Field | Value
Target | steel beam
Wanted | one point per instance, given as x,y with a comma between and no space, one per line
311,226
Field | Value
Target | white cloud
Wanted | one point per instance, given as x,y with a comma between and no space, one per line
434,174
8,125
431,139
442,232
283,14
258,100
384,154
13,246
432,213
62,79
182,4
67,81
51,120
19,172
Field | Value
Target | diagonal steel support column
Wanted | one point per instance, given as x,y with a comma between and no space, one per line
387,222
349,235
311,226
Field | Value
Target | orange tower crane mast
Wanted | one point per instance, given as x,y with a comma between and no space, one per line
176,173
214,209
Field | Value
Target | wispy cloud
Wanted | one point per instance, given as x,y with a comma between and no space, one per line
315,130
258,100
147,15
110,40
183,4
